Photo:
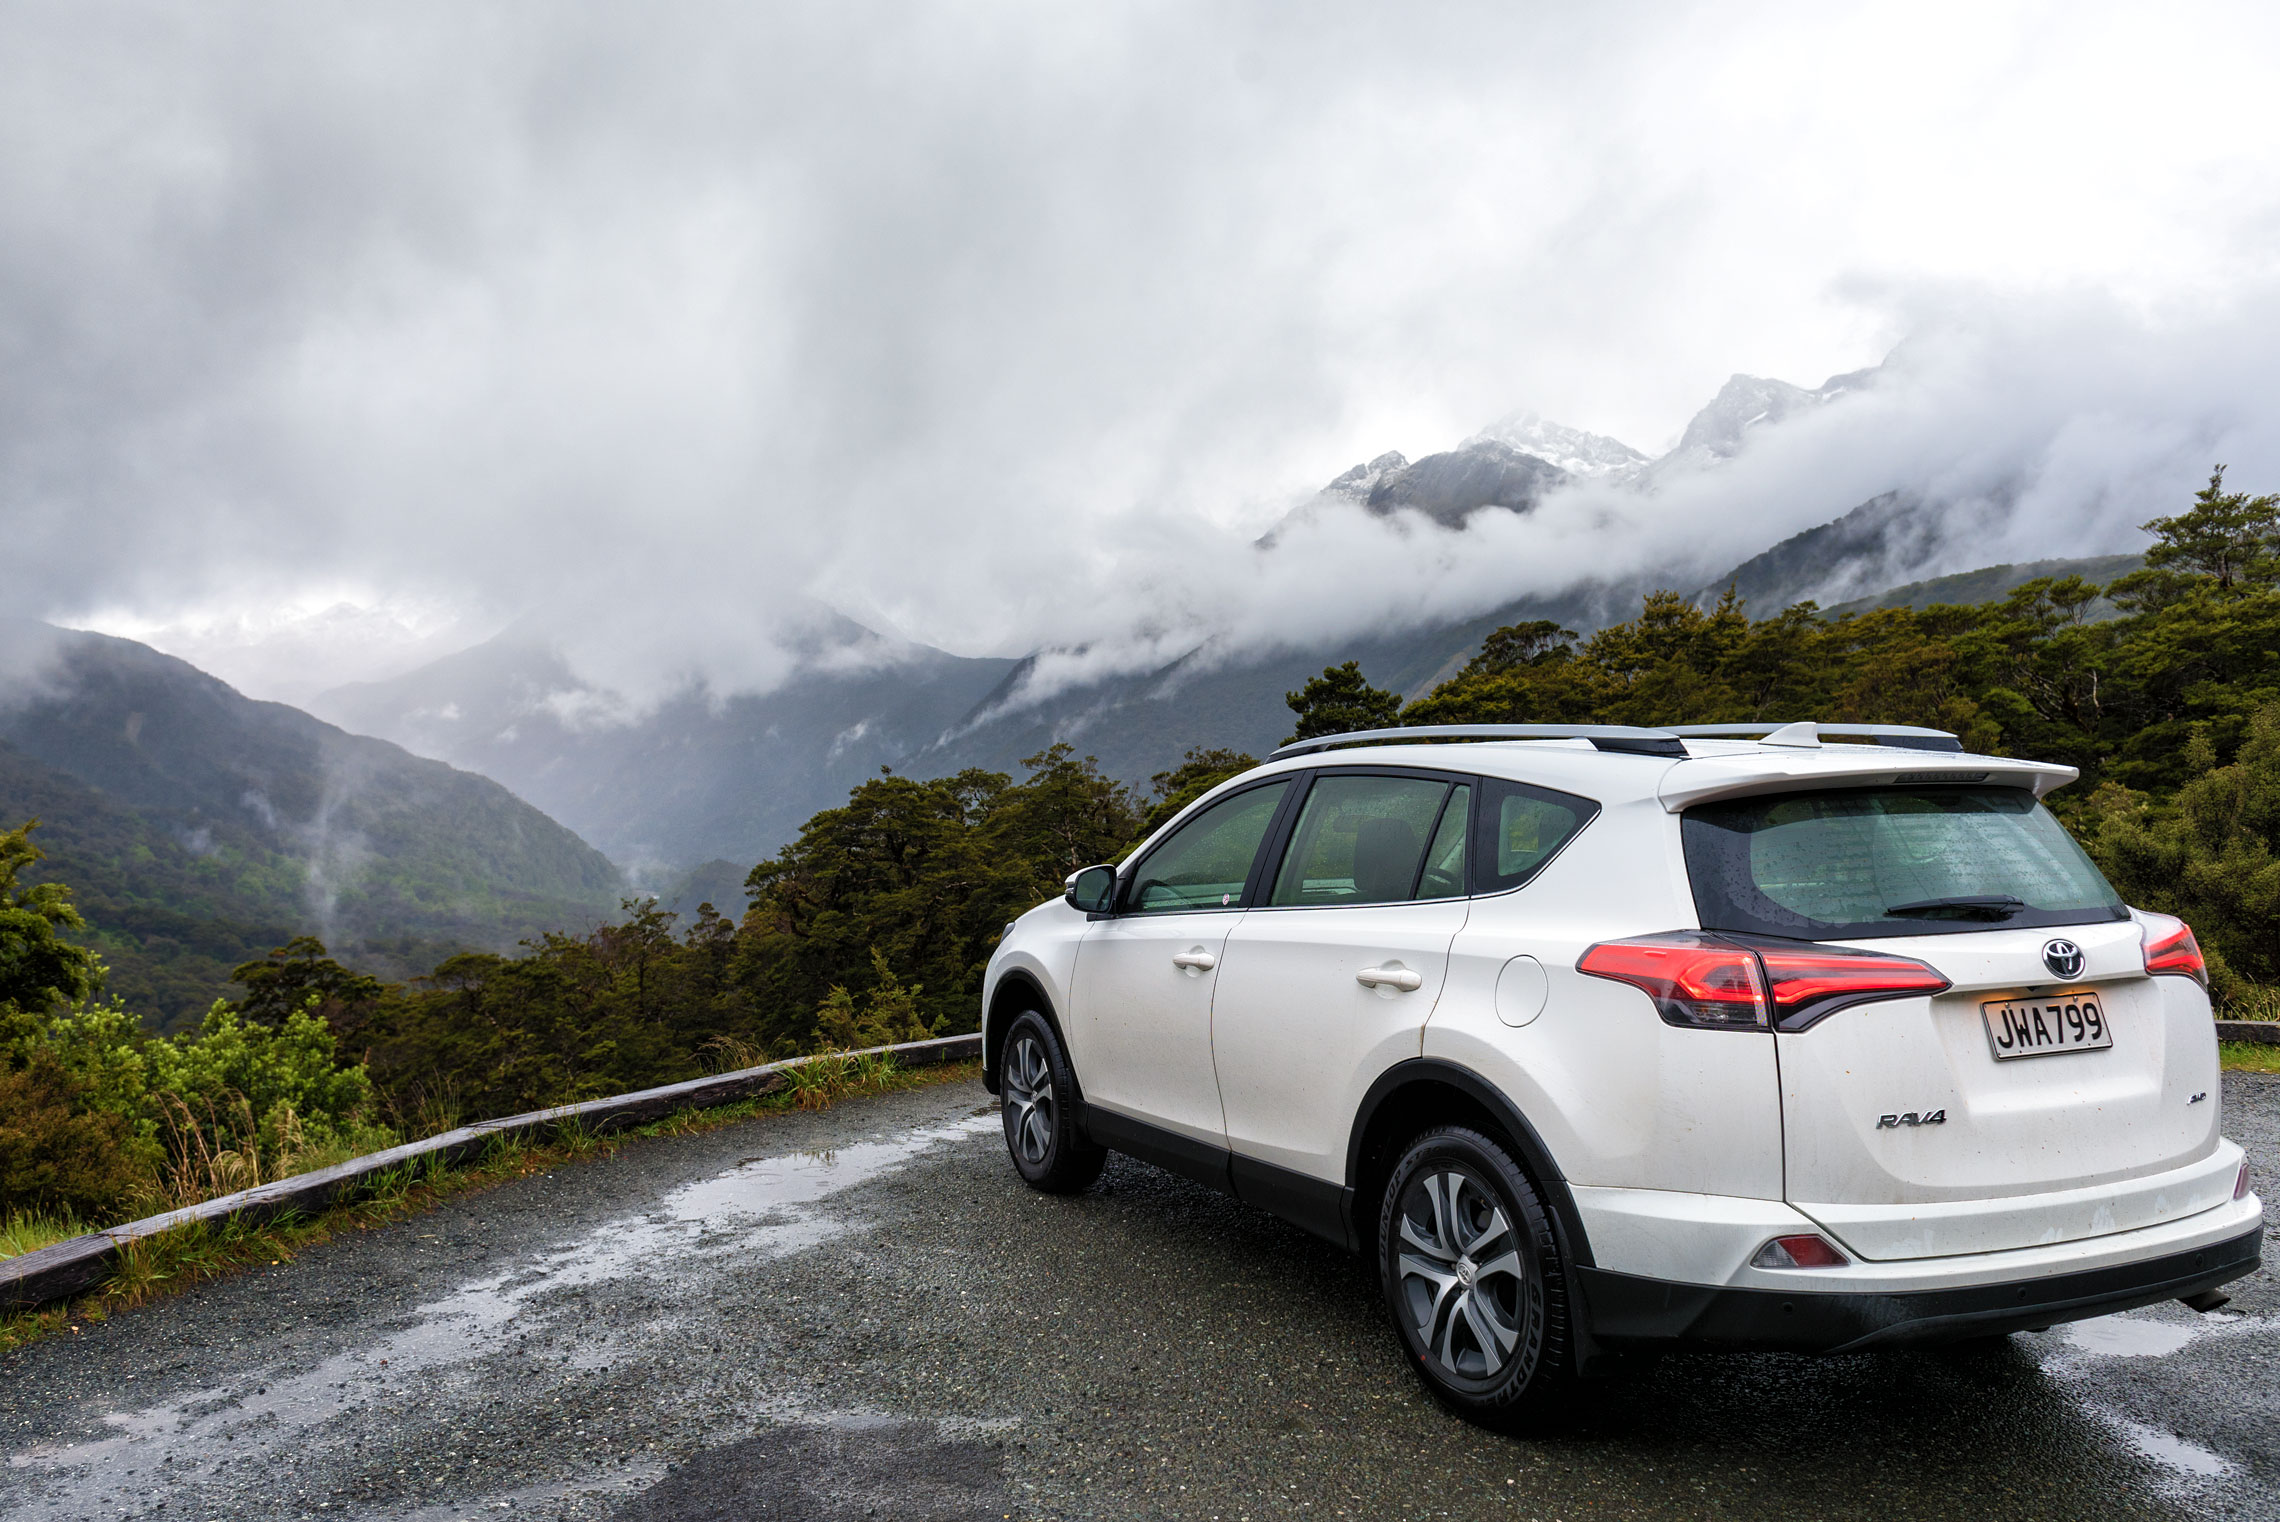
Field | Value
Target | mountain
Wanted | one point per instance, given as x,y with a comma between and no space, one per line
1521,456
1138,725
1450,486
1580,454
200,827
1991,582
170,916
695,778
1746,403
724,783
1885,540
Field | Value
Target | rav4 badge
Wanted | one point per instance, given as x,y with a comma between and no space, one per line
1928,1118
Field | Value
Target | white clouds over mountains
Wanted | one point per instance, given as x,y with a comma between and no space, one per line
1003,326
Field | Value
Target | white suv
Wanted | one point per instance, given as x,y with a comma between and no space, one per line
1601,1038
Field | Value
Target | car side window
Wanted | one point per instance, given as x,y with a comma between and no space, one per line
1444,875
1204,863
1518,828
1360,840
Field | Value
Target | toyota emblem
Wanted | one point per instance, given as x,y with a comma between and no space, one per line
2063,958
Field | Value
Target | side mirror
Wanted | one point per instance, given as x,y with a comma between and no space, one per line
1092,889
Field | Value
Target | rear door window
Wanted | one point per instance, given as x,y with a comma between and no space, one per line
1868,862
1367,840
1205,863
1444,875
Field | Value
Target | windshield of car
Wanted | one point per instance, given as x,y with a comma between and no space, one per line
1866,862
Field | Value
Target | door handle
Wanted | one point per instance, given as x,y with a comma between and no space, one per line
1390,977
1195,961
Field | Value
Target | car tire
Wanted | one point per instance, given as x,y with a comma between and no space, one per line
1035,1086
1474,1280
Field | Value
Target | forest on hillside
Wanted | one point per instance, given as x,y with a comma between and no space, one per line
875,924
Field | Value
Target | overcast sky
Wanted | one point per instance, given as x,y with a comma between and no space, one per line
367,330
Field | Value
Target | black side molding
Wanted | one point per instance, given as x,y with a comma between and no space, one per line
1168,1150
1309,1203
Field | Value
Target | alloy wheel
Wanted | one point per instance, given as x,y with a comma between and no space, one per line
1460,1272
1028,1085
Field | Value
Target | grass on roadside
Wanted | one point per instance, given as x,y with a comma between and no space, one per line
175,1260
2249,1056
21,1232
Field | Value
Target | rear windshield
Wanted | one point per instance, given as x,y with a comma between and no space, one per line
1870,862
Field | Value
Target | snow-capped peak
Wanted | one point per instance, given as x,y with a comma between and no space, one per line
1571,449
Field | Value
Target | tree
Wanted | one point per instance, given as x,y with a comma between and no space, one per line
1535,642
1066,815
2224,540
289,978
1340,701
1199,771
39,969
2208,852
888,1014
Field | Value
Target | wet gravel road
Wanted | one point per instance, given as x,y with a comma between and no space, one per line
861,1313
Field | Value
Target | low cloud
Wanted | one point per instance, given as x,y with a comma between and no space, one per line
337,340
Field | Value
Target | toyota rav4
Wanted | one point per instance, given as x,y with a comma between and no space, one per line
1600,1038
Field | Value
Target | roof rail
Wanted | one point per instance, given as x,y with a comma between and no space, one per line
1811,732
1626,738
1631,739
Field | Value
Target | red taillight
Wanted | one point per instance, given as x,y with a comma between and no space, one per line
1810,983
1799,1252
1694,979
1716,982
2170,947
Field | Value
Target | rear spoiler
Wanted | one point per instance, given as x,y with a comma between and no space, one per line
1703,778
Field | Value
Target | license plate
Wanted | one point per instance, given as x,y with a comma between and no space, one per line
2069,1022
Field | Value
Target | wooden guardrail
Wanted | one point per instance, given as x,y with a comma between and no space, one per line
68,1268
2266,1032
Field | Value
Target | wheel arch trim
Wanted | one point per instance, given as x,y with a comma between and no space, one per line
1575,1243
1014,991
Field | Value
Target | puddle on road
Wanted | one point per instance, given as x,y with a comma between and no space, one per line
761,1208
2125,1337
2170,1450
2091,1357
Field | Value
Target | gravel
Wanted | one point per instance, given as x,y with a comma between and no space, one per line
861,1313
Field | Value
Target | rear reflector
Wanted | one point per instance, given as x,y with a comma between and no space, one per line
1712,982
1799,1252
1695,979
2170,947
2240,1183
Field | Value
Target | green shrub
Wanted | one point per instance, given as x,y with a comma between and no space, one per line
58,1155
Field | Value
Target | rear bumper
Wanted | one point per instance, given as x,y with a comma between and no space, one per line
1631,1310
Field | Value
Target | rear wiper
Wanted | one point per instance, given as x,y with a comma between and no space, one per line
1991,906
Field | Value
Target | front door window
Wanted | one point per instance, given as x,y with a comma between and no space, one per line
1206,862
